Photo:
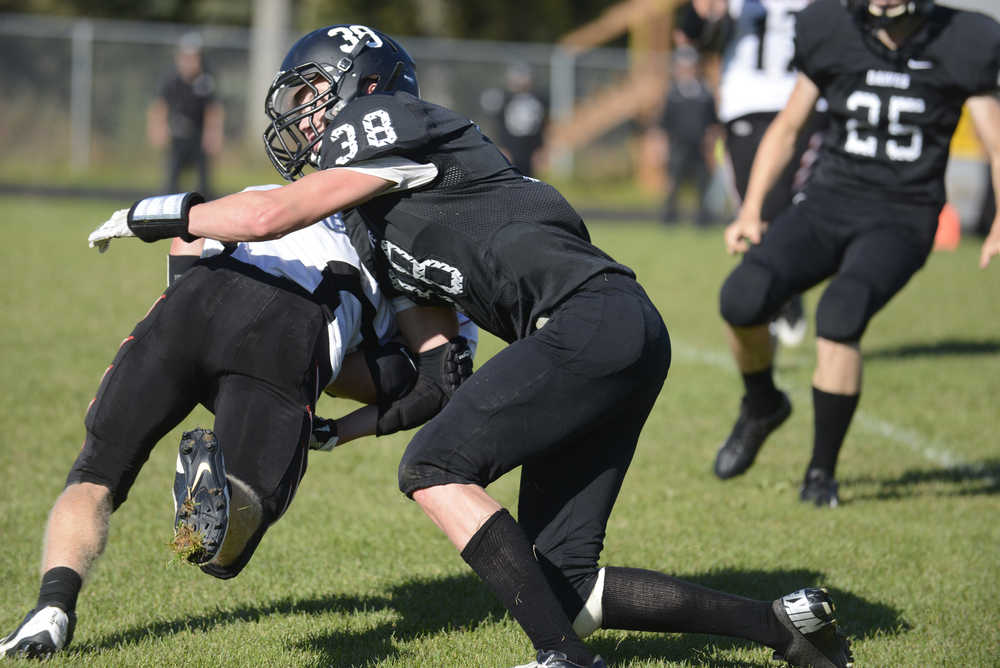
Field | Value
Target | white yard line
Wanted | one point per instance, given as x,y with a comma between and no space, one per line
925,447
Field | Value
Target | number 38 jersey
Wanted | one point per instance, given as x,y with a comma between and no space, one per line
502,248
893,113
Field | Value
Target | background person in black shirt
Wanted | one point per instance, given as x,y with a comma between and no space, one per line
692,127
521,114
186,117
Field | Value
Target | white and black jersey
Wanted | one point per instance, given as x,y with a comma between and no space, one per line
463,227
893,113
757,71
310,257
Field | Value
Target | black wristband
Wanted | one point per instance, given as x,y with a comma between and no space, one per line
163,216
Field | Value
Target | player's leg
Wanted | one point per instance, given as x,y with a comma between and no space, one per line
794,255
877,264
263,402
144,393
675,176
577,367
789,326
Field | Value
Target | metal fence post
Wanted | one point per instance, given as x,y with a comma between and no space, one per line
81,83
562,87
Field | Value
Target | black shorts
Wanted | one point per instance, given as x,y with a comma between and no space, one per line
743,136
567,404
875,244
250,347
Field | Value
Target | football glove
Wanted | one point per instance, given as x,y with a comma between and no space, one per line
441,371
323,435
115,227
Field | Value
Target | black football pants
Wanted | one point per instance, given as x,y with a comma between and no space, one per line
250,347
566,404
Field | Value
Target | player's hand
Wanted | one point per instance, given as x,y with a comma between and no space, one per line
743,232
114,227
991,246
323,435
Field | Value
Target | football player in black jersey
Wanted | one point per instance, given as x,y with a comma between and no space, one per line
454,224
895,74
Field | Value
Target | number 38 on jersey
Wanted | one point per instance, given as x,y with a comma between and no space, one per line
375,130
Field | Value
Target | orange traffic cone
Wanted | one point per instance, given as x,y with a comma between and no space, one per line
949,230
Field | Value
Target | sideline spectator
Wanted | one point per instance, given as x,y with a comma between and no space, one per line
521,114
692,127
186,117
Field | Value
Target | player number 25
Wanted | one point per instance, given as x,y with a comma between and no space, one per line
378,131
871,106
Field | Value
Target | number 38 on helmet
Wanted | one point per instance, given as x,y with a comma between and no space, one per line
323,71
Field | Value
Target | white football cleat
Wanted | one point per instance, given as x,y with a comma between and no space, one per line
43,632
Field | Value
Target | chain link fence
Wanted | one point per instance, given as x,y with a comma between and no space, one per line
76,91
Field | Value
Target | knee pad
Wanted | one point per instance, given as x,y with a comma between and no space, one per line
844,310
743,300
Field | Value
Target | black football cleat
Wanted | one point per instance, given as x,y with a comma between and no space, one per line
749,433
552,659
817,642
201,497
820,489
43,632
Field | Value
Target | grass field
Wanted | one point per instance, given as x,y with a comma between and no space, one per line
354,575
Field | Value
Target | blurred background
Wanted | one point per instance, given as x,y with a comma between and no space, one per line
81,77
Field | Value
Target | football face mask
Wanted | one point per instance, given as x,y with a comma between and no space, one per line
300,104
322,72
883,14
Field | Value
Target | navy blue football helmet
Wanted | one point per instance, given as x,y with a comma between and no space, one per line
325,70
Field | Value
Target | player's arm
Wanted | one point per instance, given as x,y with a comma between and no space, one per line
156,123
773,154
182,257
270,214
984,111
443,360
212,133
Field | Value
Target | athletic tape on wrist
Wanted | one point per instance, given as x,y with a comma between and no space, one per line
163,216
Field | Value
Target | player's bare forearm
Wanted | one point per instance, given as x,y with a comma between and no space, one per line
778,145
984,110
426,327
357,424
257,215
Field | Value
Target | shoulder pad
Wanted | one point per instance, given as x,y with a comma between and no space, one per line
820,35
977,69
378,125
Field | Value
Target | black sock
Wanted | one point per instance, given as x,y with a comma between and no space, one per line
501,555
832,415
762,396
641,600
60,587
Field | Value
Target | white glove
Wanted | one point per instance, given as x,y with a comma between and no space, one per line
114,227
